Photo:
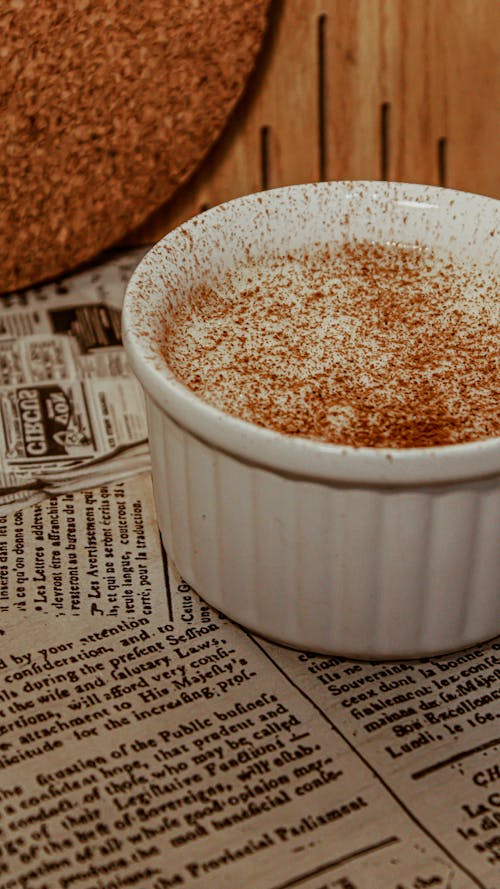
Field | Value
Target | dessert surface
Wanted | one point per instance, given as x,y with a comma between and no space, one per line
365,344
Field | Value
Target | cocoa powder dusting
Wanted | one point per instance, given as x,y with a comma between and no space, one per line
366,345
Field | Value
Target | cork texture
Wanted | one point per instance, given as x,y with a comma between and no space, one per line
107,108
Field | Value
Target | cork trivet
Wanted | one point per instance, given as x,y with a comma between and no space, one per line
106,108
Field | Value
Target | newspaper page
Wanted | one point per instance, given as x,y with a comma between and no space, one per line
147,741
71,412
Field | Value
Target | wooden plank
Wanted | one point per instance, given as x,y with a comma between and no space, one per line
353,89
409,82
471,50
289,106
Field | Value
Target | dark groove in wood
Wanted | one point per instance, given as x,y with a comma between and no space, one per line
322,112
264,157
442,151
385,122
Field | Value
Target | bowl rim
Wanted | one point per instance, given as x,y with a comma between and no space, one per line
307,458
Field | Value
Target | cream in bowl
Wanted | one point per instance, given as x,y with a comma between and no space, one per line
369,345
321,373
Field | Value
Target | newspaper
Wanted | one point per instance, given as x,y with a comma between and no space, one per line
71,413
147,741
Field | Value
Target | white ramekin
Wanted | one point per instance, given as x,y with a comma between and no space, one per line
357,551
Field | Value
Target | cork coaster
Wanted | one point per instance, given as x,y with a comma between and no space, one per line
108,108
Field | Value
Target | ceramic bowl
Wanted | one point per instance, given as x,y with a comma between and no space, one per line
363,552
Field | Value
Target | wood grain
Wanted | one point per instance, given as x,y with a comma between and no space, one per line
353,89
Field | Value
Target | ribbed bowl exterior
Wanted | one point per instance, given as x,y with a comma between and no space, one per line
367,552
363,571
